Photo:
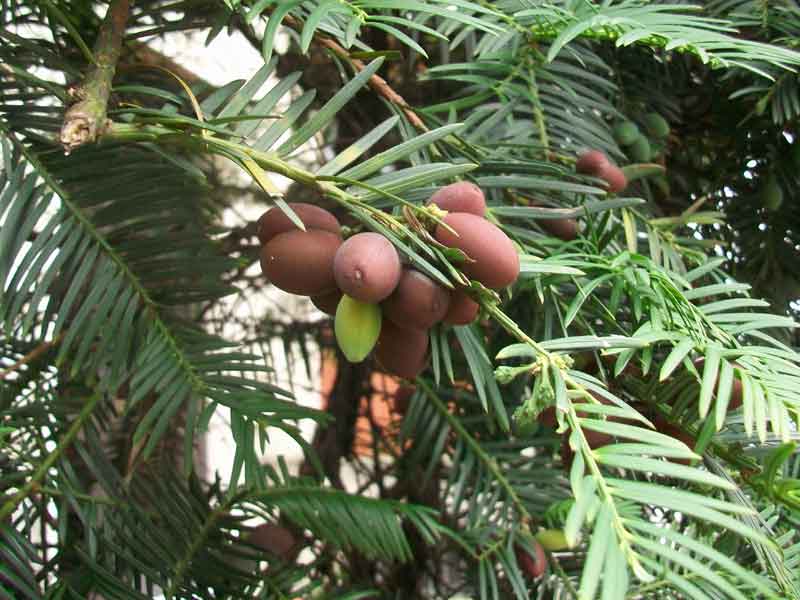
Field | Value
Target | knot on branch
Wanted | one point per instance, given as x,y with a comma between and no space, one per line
79,128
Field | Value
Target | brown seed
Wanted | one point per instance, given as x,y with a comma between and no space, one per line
667,428
548,417
274,221
737,392
367,267
463,310
532,566
275,540
564,229
591,162
614,177
301,262
417,301
402,352
461,197
327,302
402,398
496,261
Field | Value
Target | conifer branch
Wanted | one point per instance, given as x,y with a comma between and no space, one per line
85,120
86,412
376,82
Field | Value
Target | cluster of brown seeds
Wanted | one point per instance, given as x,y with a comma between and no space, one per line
379,302
596,164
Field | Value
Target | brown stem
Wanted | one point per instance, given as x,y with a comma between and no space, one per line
31,356
376,82
86,119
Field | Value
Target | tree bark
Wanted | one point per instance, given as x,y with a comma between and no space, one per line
85,120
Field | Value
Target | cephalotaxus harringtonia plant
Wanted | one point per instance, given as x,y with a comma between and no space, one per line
538,235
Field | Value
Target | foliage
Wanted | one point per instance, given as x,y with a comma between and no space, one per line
117,279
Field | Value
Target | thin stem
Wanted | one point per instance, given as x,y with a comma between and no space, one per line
554,562
199,540
510,325
86,119
602,486
11,505
487,460
376,82
49,491
31,356
538,109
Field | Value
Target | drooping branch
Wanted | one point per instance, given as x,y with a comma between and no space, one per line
86,119
379,85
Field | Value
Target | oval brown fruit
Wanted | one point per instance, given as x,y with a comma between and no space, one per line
327,302
274,221
591,162
275,540
496,262
367,267
402,352
417,301
614,178
564,229
532,566
737,391
463,310
667,428
301,262
460,197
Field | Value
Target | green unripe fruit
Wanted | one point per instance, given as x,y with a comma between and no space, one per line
640,150
357,326
656,150
656,125
552,540
772,194
626,133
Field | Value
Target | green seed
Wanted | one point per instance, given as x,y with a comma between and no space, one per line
772,194
656,125
552,540
640,150
626,133
357,326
